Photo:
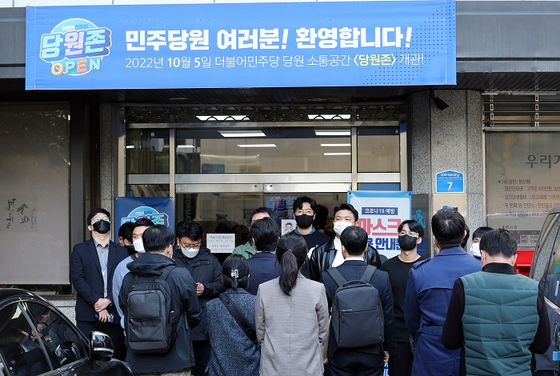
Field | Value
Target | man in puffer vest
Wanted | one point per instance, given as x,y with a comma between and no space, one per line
498,316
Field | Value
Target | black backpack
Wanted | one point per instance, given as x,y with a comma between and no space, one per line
357,314
151,324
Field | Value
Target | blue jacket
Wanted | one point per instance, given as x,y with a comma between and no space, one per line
263,267
233,353
428,291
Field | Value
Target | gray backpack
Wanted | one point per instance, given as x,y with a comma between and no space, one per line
357,314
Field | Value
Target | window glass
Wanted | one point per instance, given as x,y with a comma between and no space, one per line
147,190
378,150
147,151
19,345
62,341
270,150
229,212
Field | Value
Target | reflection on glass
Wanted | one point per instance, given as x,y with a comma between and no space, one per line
378,152
147,190
147,151
279,151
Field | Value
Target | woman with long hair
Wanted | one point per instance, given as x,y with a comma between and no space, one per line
233,351
292,316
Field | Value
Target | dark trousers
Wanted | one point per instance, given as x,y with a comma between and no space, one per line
201,357
354,363
112,330
400,359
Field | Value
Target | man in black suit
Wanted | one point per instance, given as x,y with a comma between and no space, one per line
263,265
368,360
92,266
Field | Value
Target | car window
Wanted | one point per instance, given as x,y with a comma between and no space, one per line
20,350
61,340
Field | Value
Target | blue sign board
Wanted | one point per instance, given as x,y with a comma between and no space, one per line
157,209
368,43
450,182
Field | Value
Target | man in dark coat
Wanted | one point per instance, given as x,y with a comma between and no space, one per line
263,265
329,254
92,265
368,360
179,359
428,291
207,274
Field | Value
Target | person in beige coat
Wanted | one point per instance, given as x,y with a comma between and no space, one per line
292,316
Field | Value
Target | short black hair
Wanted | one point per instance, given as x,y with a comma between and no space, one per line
448,227
466,237
414,226
229,279
298,203
142,222
96,211
262,209
265,233
479,232
157,238
354,239
346,207
499,243
125,231
189,229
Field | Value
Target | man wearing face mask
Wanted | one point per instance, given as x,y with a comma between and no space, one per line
206,271
476,236
92,265
329,254
411,234
121,271
304,213
125,237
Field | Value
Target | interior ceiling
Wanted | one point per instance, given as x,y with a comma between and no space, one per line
14,90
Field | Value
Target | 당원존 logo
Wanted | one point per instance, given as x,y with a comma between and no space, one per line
75,47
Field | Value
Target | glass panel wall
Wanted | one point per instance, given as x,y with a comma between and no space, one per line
272,150
378,150
147,151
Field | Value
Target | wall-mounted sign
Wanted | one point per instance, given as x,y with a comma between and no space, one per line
367,43
450,182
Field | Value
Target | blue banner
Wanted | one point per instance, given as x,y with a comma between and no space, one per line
369,43
157,209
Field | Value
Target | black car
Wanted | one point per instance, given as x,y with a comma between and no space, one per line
37,339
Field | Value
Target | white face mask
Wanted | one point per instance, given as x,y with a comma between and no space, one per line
475,249
339,226
138,245
190,252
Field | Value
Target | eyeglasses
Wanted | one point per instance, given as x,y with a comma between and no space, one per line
106,219
411,233
195,245
306,212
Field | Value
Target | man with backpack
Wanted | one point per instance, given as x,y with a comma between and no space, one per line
362,310
160,307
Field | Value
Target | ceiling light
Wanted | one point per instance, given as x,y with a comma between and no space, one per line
242,133
334,145
329,116
333,132
222,117
344,153
185,146
257,145
130,146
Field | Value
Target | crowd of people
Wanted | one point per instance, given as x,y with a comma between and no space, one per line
283,305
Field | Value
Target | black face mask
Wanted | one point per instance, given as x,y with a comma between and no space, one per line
102,227
304,221
407,242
